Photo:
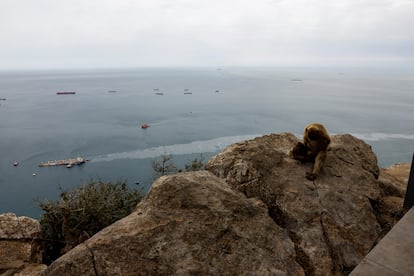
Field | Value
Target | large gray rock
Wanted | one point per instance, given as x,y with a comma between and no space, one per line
189,223
335,220
20,247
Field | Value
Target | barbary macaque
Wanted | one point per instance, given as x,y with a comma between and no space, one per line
313,149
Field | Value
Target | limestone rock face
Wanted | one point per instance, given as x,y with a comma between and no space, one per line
253,212
333,221
189,223
20,249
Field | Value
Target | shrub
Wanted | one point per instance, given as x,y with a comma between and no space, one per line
196,164
165,166
82,212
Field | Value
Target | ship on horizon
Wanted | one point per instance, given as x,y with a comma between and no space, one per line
65,92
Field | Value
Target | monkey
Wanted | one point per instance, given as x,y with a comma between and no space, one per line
313,149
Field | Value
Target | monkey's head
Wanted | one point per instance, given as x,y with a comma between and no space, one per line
314,133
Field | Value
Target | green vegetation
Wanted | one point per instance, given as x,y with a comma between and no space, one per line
82,212
196,164
166,166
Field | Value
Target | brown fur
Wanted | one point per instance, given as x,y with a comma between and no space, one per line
314,147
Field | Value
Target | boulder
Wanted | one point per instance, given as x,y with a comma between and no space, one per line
189,223
333,221
400,171
393,181
20,247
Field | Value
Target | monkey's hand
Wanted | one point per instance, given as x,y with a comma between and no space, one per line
311,176
300,152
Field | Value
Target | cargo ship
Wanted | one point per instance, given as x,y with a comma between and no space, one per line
69,163
66,93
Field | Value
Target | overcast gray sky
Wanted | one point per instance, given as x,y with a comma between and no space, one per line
135,33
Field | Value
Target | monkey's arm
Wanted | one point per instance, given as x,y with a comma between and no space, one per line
319,161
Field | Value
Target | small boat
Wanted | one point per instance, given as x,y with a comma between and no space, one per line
66,93
112,91
186,89
188,93
15,163
2,99
144,126
159,94
33,174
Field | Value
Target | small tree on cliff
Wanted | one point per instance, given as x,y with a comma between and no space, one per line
82,212
196,164
164,166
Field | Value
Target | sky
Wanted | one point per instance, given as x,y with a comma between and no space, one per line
43,34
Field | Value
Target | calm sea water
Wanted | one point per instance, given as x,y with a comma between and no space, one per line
226,105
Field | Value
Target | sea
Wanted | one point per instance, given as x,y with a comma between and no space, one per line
191,113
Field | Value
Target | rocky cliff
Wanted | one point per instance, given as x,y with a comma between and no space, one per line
252,212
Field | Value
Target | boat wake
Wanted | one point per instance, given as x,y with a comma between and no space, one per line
218,144
379,136
213,145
